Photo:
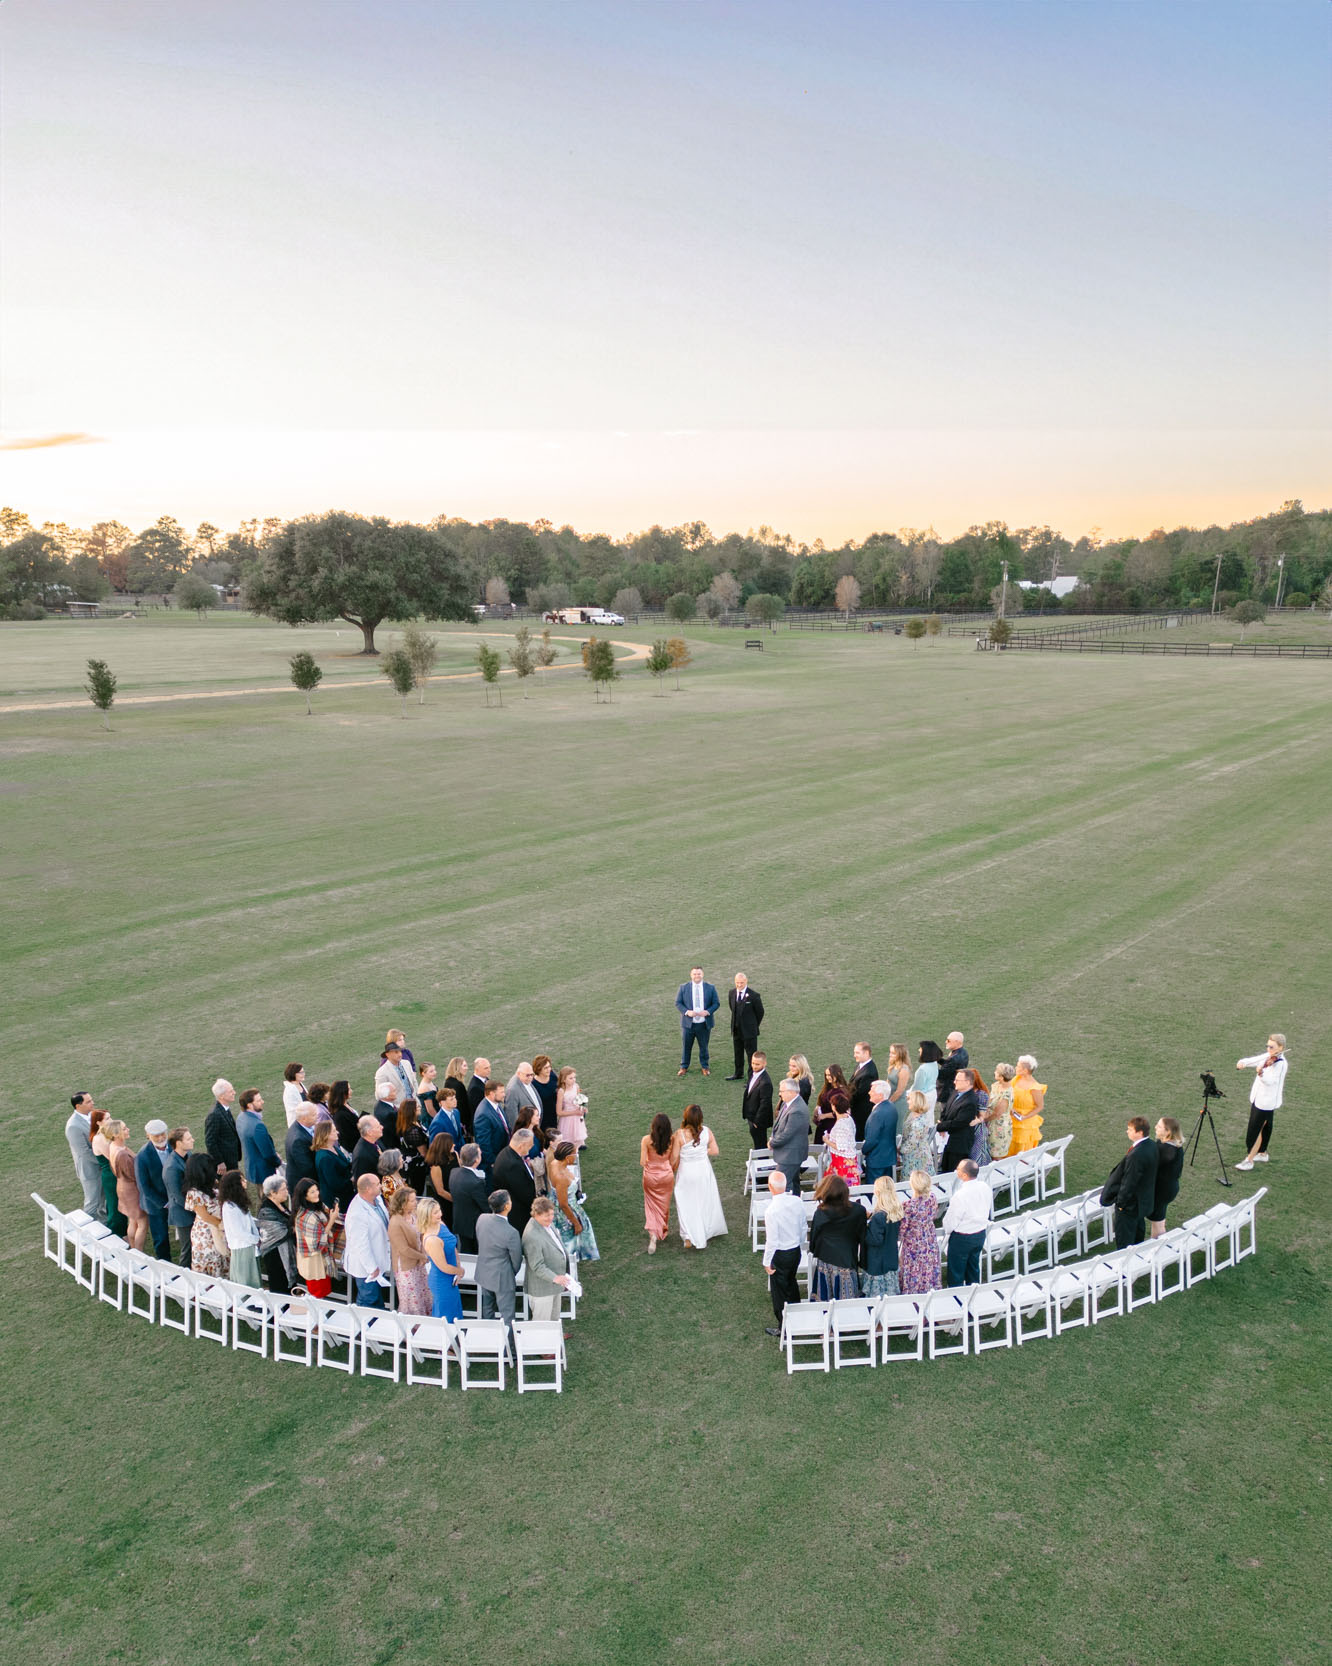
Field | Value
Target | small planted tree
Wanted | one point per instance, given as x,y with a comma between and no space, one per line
489,661
546,654
193,591
915,629
678,649
306,675
101,686
659,661
933,625
680,607
522,657
422,650
398,669
601,666
1000,632
1248,613
848,594
764,609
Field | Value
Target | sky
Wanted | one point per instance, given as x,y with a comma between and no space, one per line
833,267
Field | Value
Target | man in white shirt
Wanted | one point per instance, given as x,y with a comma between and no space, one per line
368,1259
783,1240
965,1221
1264,1098
697,1003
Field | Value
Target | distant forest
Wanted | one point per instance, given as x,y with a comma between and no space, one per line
545,566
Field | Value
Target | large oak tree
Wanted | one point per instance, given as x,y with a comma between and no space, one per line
342,566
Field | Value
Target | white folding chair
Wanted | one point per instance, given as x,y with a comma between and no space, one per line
213,1302
112,1274
1033,1306
1001,1246
1071,1298
944,1313
990,1316
1026,1178
1198,1252
428,1342
90,1242
1172,1263
1139,1276
854,1325
293,1320
1036,1245
899,1320
70,1225
806,1325
381,1333
52,1228
251,1318
1105,1286
998,1176
1098,1224
1050,1166
1218,1226
175,1289
539,1347
142,1276
339,1328
483,1344
758,1208
1066,1230
1246,1216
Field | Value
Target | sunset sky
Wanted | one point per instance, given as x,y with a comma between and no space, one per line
835,267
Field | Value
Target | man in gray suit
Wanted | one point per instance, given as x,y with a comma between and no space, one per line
789,1140
518,1091
78,1131
547,1261
499,1256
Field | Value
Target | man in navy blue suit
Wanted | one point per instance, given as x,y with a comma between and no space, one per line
152,1186
259,1156
491,1129
698,1005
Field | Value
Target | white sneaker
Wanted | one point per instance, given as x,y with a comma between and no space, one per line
1245,1165
1260,1157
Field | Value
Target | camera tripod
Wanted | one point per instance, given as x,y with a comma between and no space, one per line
1210,1092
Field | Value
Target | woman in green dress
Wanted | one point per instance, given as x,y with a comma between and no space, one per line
102,1152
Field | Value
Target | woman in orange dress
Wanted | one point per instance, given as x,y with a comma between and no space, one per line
1028,1103
655,1159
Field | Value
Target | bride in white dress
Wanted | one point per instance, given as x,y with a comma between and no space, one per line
698,1205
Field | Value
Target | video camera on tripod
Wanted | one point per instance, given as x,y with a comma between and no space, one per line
1210,1092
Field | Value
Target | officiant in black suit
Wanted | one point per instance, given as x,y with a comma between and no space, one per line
746,1016
756,1108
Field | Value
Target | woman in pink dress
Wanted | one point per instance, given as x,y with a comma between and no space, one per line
569,1108
655,1159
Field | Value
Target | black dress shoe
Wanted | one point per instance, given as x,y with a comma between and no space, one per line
772,1330
735,1078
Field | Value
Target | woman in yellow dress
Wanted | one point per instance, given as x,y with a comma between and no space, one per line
1028,1103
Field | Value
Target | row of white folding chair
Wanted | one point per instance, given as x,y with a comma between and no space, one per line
1024,1308
469,1292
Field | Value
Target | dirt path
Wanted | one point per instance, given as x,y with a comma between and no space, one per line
639,651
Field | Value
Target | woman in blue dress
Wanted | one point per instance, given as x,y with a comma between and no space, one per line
442,1264
927,1073
571,1221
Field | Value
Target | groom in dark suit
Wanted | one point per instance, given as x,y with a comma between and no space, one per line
1132,1185
698,1005
746,1016
756,1107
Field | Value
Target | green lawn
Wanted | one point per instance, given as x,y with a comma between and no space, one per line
1119,865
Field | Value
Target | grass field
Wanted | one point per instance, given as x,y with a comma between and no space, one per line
1120,865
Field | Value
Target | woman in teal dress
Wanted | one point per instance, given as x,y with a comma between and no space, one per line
571,1221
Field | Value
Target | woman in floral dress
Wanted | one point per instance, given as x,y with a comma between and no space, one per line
841,1141
571,1221
918,1247
208,1248
916,1148
999,1116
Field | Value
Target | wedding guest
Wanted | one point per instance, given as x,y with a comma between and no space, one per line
879,1152
655,1152
858,1087
881,1240
447,1119
99,1122
954,1059
798,1071
427,1094
1169,1169
547,1086
1131,1187
1028,1104
898,1077
958,1120
999,1113
442,1264
926,1079
546,1260
789,1139
476,1088
834,1083
455,1081
367,1258
518,1092
571,1219
344,1117
783,1240
918,1246
966,1221
317,1093
369,1148
441,1160
836,1241
756,1106
298,1147
277,1236
127,1185
841,1141
180,1142
410,1261
293,1091
395,1072
499,1258
148,1173
221,1140
390,1174
468,1189
78,1132
259,1156
571,1107
513,1173
491,1126
415,1143
916,1148
317,1239
332,1166
239,1229
208,1248
396,1037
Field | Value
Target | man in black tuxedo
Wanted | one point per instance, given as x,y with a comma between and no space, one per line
298,1148
958,1120
365,1158
476,1090
513,1174
746,1016
1132,1185
756,1107
865,1073
954,1059
221,1139
470,1194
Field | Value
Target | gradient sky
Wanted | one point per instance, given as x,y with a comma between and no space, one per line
834,266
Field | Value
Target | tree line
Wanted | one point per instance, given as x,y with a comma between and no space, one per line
366,569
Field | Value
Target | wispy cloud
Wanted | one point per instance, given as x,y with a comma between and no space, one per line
40,442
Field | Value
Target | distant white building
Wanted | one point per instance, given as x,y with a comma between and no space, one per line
1060,587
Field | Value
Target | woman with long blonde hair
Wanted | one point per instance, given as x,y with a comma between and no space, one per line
881,1239
918,1247
916,1148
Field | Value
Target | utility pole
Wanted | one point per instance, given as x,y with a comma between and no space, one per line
1281,577
1216,585
1003,594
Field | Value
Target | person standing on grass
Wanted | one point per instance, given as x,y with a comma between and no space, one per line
746,1016
966,1220
491,1126
410,1262
756,1106
468,1190
546,1260
221,1141
293,1091
1169,1169
277,1237
697,1003
239,1228
258,1153
127,1185
78,1131
518,1092
862,1077
148,1172
180,1143
499,1256
395,1072
476,1092
881,1240
368,1259
369,1148
955,1059
208,1248
783,1240
918,1248
298,1148
318,1239
513,1172
926,1079
1131,1187
1264,1098
656,1158
1028,1106
789,1140
879,1149
960,1115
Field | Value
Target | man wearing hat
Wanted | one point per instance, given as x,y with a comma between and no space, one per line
152,1187
396,1070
